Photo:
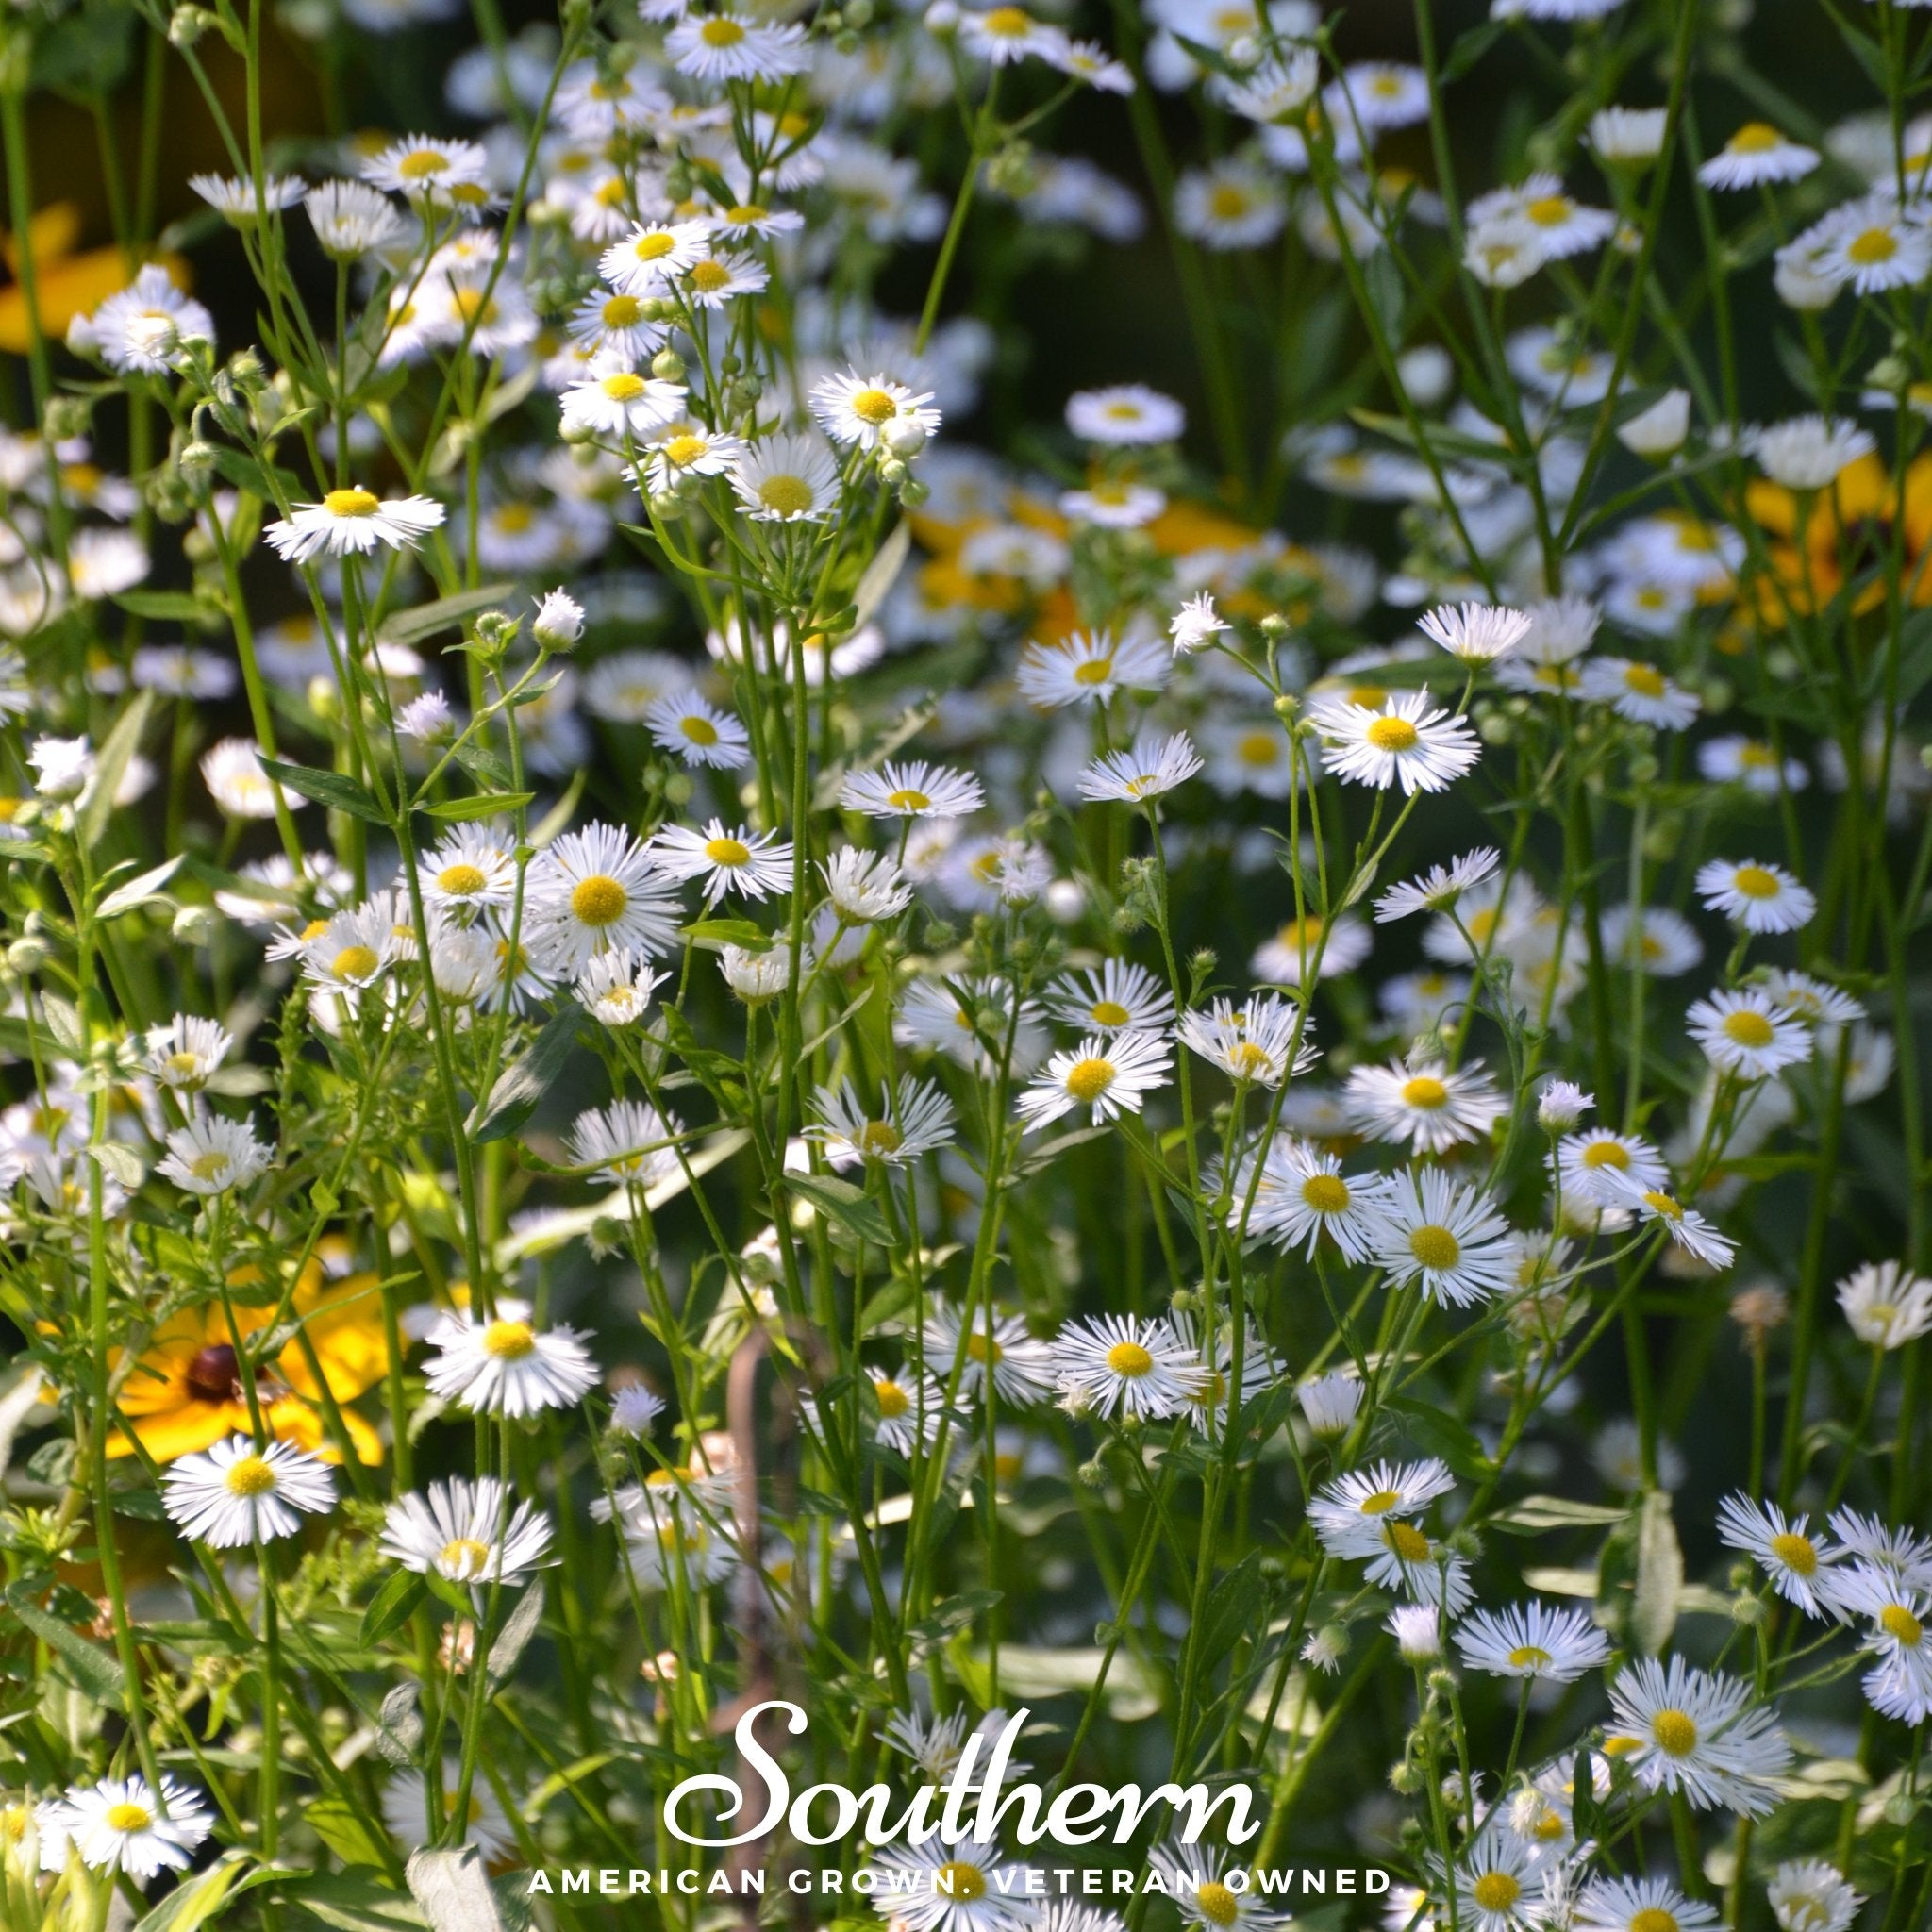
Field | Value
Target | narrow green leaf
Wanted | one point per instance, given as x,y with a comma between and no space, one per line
525,1081
97,1669
110,767
850,1206
336,790
391,1607
446,613
479,804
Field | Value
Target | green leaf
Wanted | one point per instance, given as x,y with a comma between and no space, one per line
1438,1433
164,606
344,1830
518,1628
1533,1515
391,1607
479,804
881,574
525,1081
336,790
1237,1608
244,473
714,935
1659,1575
399,1726
453,1890
446,613
136,892
199,1896
96,1669
851,1208
352,1901
110,767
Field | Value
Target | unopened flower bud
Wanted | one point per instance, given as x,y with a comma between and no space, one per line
560,622
904,437
667,365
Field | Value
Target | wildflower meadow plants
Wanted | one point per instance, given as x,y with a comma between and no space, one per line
774,993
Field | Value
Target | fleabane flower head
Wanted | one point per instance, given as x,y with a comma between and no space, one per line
1808,452
787,479
1683,1729
1686,1228
1429,1104
700,734
914,1121
147,327
1745,1033
234,1494
1107,1078
1124,416
725,47
615,988
1474,633
1784,1547
1532,1640
431,172
1757,154
1561,1105
559,624
1808,1895
1349,1512
1152,767
1443,1238
352,219
616,403
1265,1040
1329,1404
1091,667
738,861
122,1824
594,891
352,522
1640,693
1886,1305
915,790
1302,1195
1760,897
210,1155
1401,742
187,1053
652,256
1195,624
1628,137
629,1143
1120,997
1590,1164
1439,887
1640,1905
465,1532
1122,1365
503,1365
863,886
862,411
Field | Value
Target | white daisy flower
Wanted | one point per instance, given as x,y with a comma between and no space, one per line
1758,153
1428,1105
1686,1228
1113,502
684,451
186,1053
915,1120
716,279
1873,246
1753,764
650,257
594,892
1586,1164
1640,1905
754,863
615,325
1808,452
725,47
1640,693
755,978
1445,1238
147,325
1532,1640
505,1366
122,1824
615,988
1302,1195
1760,897
1153,767
1210,1894
469,870
1439,887
1195,624
352,220
1745,1033
963,1887
466,1532
617,402
628,1143
1815,1001
1120,997
911,1408
916,790
1089,667
1122,1365
1683,1729
1331,946
1808,1895
862,886
210,1156
1108,1077
698,733
1329,1404
1660,941
1399,742
1885,1305
1125,416
432,173
1350,1512
1660,430
1625,137
989,1344
853,408
1474,633
407,1813
1781,1546
234,1493
352,522
1265,1040
787,479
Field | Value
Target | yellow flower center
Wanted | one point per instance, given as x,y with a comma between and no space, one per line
355,963
1089,1079
958,1880
748,214
1392,734
352,503
128,1817
1435,1247
653,246
728,851
1600,1153
879,1137
598,901
1299,933
1258,748
1248,1061
1899,1622
1530,1657
1424,1091
1408,1542
1756,138
1755,882
786,496
721,33
873,405
681,450
1228,202
1749,1029
509,1342
1654,1919
1130,1360
1008,23
420,163
1644,681
183,1064
252,1475
1218,1904
707,277
464,1558
1550,211
1674,1732
893,1400
1662,1204
699,730
1876,245
1094,671
1496,1892
623,312
1108,1013
1326,1194
1380,1503
908,800
983,1349
1795,1552
461,879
